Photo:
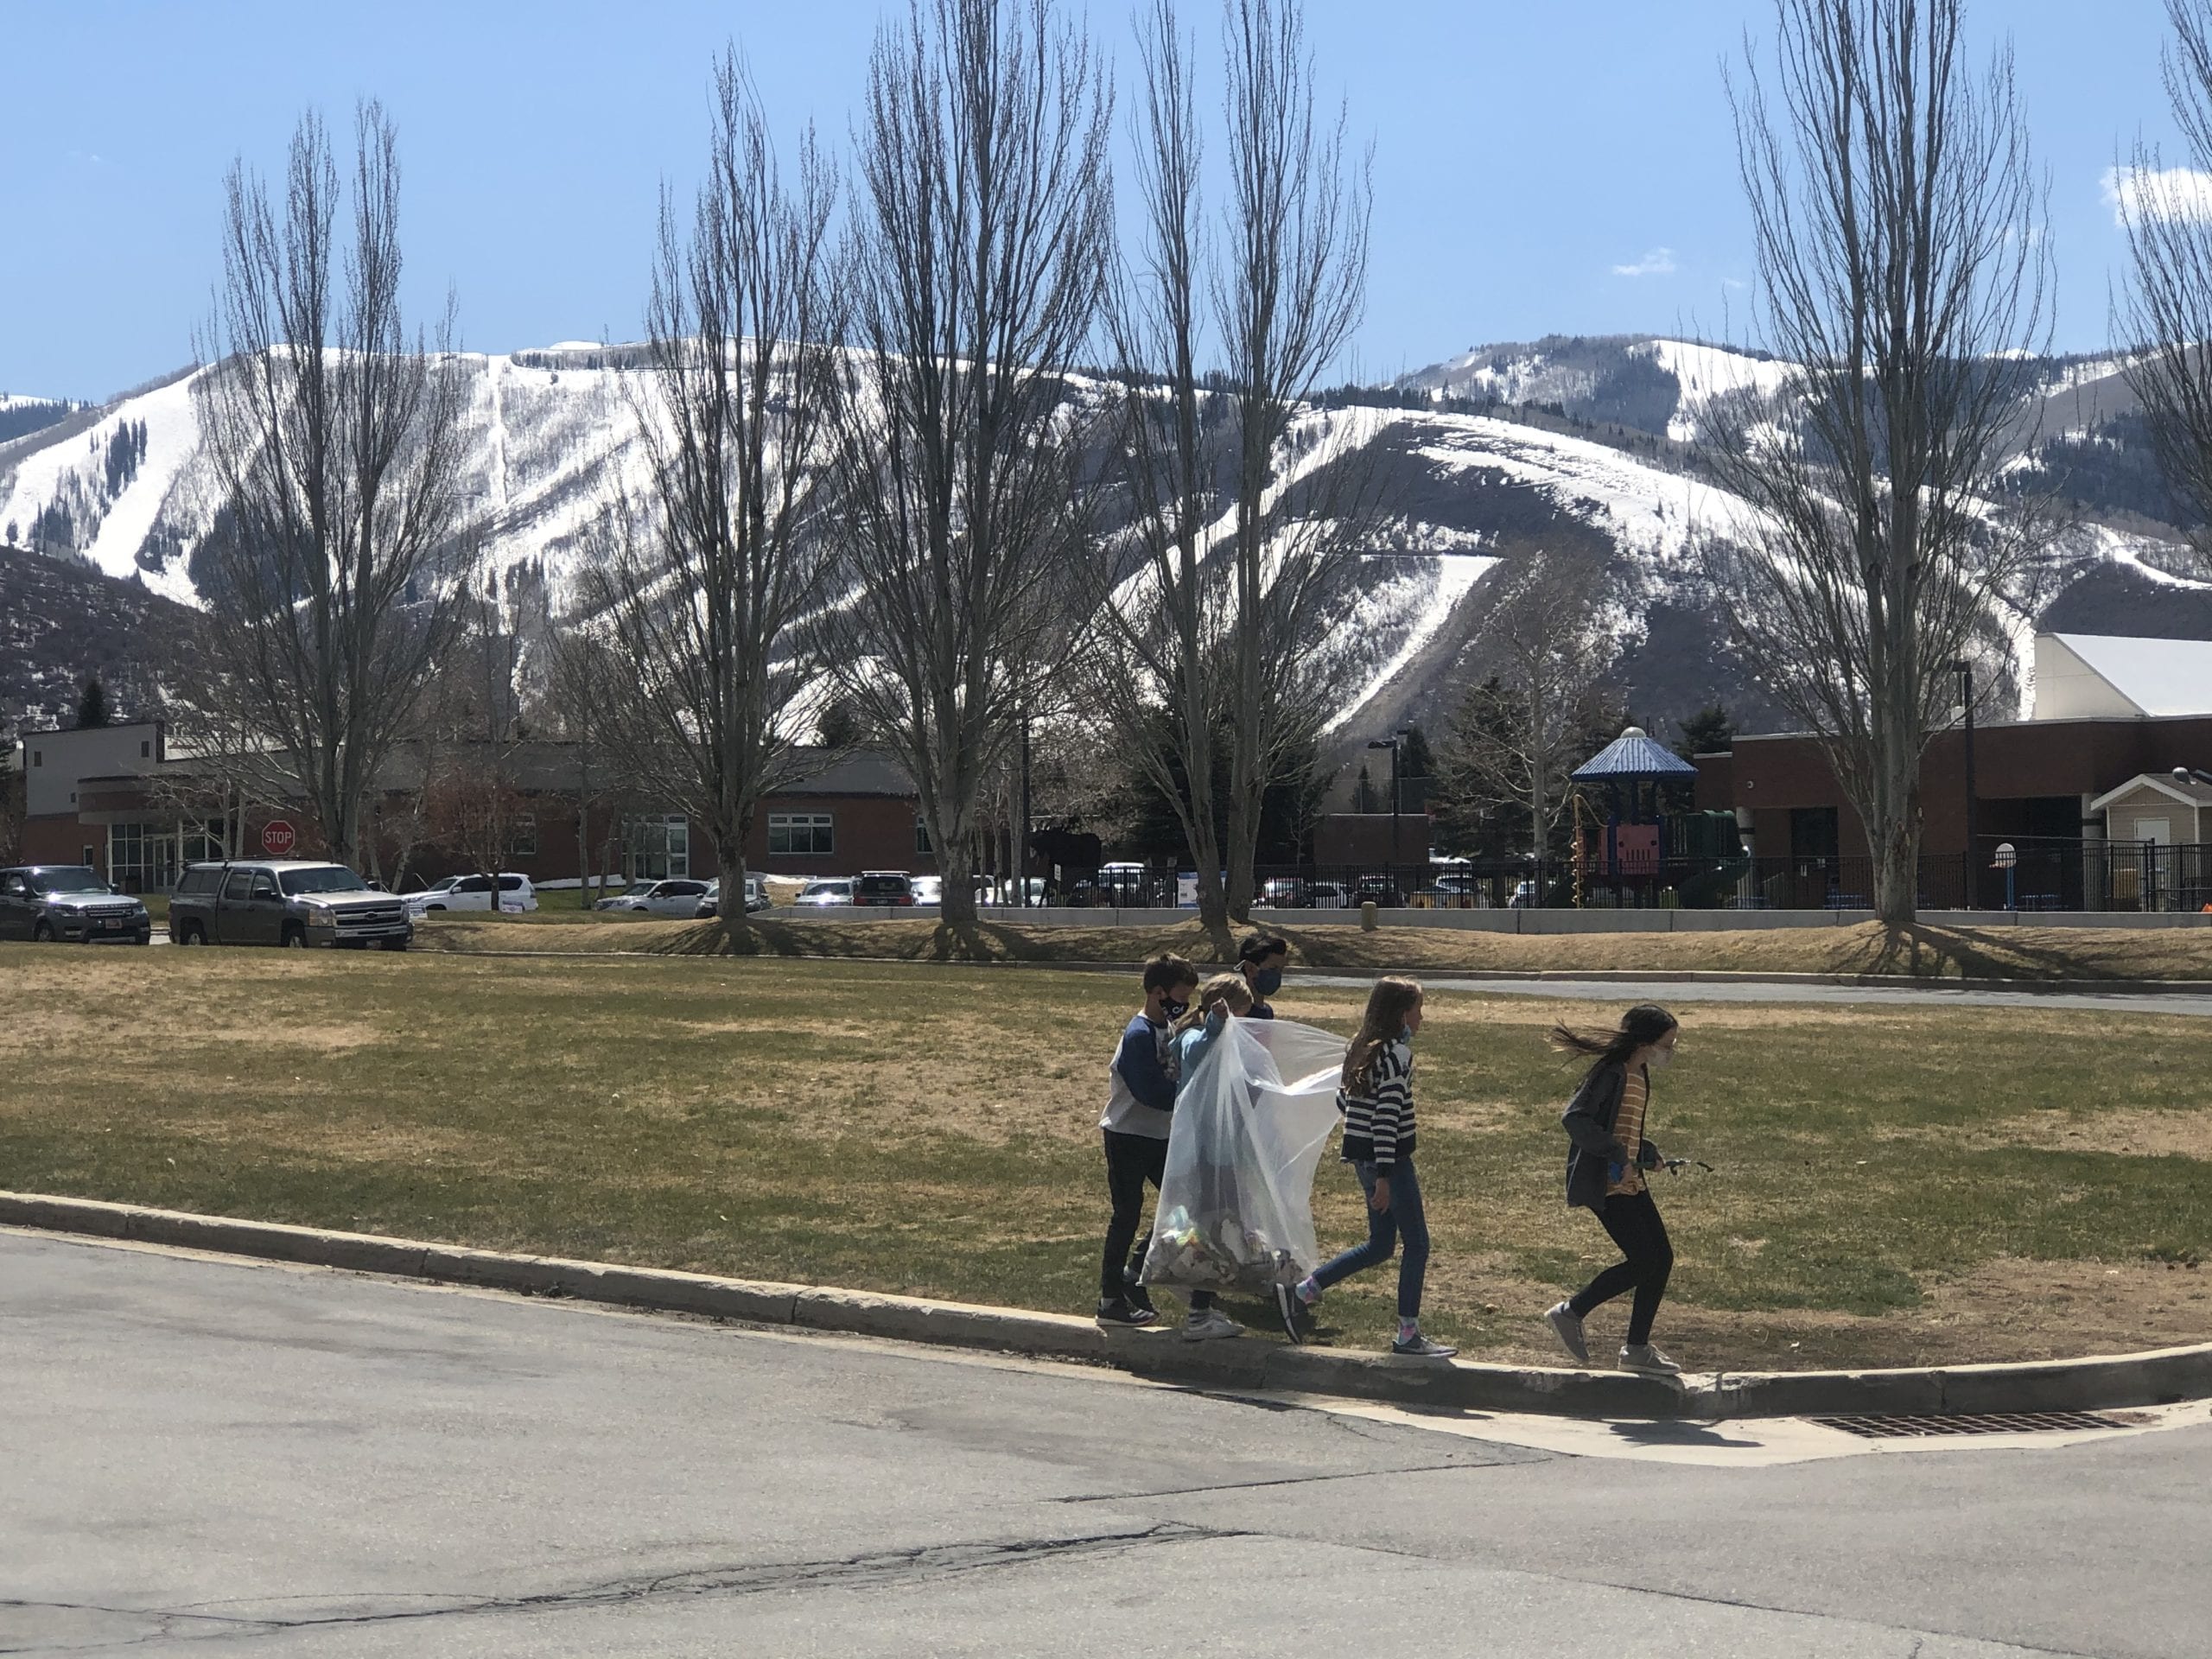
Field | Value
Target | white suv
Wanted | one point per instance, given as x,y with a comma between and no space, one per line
474,892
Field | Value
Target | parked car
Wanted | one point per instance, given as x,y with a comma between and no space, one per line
837,890
675,896
68,903
756,896
929,889
284,902
1003,891
474,892
883,887
1452,891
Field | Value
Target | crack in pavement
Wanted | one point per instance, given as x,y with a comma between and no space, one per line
1292,1480
863,1570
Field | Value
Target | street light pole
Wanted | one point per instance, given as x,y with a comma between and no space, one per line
1021,856
1965,670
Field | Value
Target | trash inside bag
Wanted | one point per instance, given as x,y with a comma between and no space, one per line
1235,1207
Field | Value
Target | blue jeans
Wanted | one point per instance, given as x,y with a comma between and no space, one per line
1384,1227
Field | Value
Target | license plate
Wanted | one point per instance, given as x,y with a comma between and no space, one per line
114,923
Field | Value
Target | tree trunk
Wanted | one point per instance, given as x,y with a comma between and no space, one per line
729,904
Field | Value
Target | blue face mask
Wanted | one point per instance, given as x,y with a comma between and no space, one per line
1266,982
1406,1034
1174,1009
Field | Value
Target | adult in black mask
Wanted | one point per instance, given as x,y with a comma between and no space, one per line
1260,959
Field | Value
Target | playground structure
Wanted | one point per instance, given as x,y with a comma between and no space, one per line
1639,854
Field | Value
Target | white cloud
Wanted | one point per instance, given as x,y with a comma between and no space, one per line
2149,193
1660,262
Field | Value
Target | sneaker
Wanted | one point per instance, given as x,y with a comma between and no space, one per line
1567,1326
1137,1296
1213,1323
1120,1311
1292,1312
1641,1356
1419,1347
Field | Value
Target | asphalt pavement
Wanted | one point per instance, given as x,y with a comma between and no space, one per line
205,1456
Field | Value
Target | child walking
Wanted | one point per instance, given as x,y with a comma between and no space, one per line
1375,1098
1220,997
1605,1167
1140,1101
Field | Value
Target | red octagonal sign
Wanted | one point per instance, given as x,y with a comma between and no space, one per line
277,837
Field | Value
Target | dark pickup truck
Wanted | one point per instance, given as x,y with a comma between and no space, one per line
285,901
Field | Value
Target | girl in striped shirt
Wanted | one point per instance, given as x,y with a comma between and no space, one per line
1377,1099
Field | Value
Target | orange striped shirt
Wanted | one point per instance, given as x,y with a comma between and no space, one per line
1628,1129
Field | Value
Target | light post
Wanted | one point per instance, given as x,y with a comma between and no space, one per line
1021,857
1965,672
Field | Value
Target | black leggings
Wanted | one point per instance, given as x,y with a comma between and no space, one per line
1633,1222
1132,1161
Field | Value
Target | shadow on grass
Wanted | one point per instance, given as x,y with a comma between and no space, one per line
1945,952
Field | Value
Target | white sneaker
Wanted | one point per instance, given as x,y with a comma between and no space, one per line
1643,1357
1204,1327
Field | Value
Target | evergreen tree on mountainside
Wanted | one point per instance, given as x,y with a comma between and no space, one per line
92,707
1709,731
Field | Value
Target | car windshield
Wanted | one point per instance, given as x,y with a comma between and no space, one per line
444,884
68,878
322,877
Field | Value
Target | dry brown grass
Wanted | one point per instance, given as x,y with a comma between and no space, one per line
2118,955
1894,1186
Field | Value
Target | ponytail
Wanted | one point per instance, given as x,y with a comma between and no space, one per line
1641,1025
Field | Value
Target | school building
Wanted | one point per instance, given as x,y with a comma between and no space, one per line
119,799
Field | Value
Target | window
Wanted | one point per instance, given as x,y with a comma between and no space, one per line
240,886
922,848
141,857
38,757
523,843
204,841
1813,836
201,881
145,750
658,848
802,834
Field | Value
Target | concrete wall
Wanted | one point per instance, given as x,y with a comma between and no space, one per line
53,761
1588,921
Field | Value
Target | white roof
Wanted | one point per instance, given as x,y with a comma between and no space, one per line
2191,793
2156,677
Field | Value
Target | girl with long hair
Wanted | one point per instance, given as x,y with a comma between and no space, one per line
1607,1163
1376,1097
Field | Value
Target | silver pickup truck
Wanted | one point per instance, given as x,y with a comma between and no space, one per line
285,901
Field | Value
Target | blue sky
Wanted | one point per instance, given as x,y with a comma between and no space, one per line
1539,167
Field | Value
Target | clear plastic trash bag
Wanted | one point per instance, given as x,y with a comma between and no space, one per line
1236,1208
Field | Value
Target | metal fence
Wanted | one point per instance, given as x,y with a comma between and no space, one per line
2047,875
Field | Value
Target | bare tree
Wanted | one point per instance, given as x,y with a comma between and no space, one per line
1901,271
335,441
1521,732
979,248
2167,314
1288,287
13,785
735,408
586,687
1217,627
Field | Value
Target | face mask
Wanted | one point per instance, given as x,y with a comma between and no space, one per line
1659,1058
1406,1034
1174,1009
1266,982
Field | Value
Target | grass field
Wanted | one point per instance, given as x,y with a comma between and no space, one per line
1892,1186
2026,953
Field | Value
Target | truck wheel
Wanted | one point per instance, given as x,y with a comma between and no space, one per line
190,934
43,933
295,938
395,944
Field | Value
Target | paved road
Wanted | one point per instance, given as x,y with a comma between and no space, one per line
2197,1003
205,1458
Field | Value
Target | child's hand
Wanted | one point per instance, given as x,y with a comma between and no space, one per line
1379,1199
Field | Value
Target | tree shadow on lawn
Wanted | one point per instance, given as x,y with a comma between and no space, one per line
974,942
1921,952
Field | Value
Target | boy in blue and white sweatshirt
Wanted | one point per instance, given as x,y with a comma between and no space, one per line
1140,1108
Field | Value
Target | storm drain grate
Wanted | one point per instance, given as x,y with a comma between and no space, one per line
1974,1423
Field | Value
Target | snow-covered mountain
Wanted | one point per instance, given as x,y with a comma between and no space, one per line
1567,446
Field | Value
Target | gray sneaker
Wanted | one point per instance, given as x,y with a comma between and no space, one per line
1419,1347
1567,1326
1643,1358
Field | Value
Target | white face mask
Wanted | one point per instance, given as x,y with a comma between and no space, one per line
1659,1058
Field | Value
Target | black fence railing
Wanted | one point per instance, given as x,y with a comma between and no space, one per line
2045,875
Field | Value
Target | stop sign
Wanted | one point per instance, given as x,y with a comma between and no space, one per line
277,837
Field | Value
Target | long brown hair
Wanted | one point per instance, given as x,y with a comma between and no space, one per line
1222,987
1643,1025
1388,1005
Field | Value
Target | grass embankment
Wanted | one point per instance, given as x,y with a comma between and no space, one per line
2005,952
1892,1186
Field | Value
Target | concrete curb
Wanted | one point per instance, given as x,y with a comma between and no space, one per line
2105,1381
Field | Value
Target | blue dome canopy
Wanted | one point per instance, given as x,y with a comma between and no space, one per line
1632,754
